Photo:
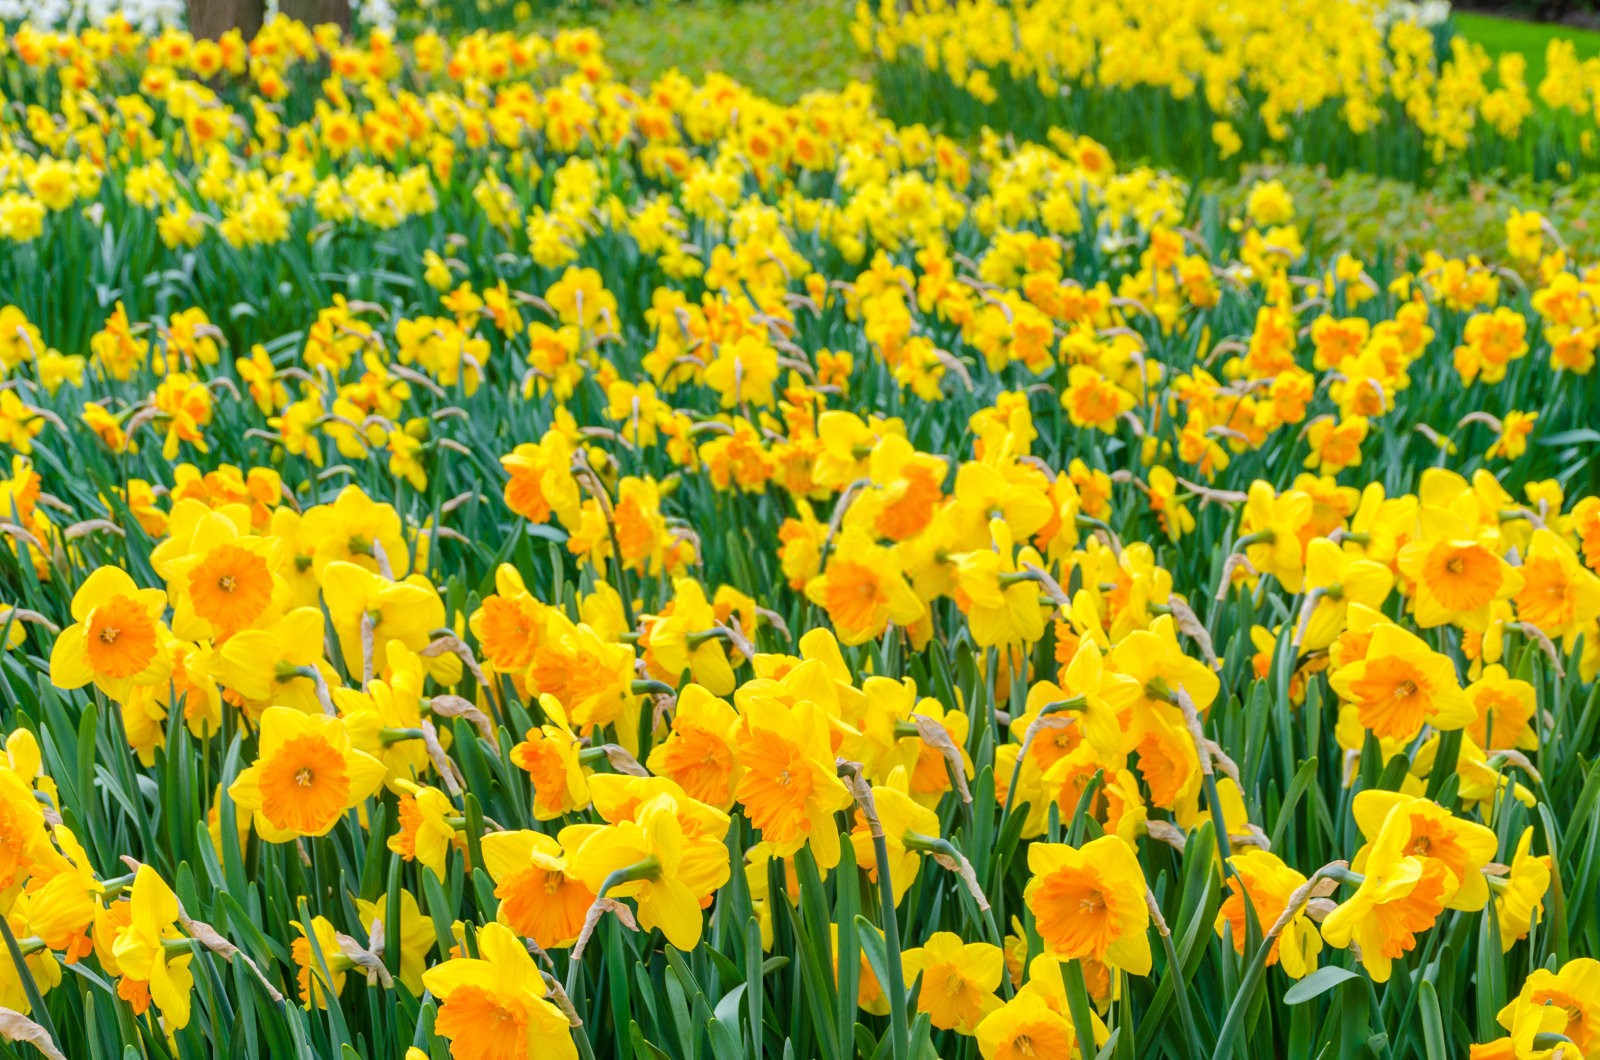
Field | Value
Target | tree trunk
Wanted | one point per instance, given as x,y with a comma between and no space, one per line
212,18
317,12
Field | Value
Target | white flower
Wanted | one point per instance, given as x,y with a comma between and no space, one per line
149,16
1426,13
375,14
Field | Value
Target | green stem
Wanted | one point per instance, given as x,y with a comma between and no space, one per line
991,671
1078,1004
899,1031
1224,850
705,636
30,989
1181,993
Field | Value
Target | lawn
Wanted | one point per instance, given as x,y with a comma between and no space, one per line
782,48
1501,35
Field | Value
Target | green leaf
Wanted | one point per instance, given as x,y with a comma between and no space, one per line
1318,983
727,1009
1432,1023
725,1045
1576,436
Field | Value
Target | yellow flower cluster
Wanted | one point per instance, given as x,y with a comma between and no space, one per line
523,566
1338,83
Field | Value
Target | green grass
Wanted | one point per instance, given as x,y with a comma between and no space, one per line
1397,221
1501,35
781,48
